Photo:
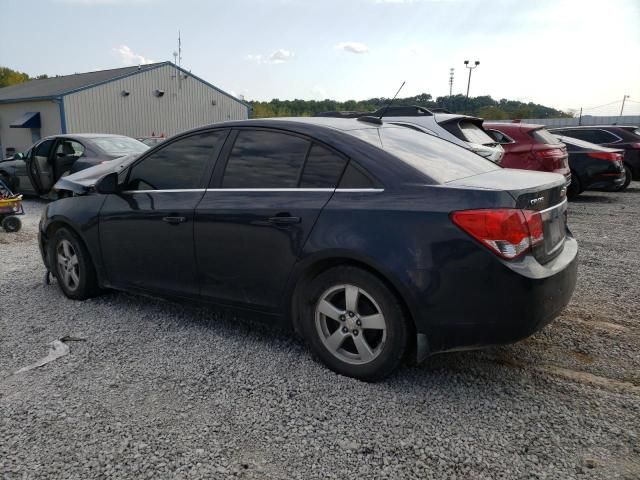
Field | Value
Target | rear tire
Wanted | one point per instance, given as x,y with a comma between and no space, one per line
72,265
11,224
575,188
354,323
628,177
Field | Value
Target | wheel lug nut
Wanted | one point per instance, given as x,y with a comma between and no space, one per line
342,318
351,314
355,332
345,330
359,322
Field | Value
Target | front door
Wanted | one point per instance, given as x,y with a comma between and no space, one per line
38,167
252,224
146,231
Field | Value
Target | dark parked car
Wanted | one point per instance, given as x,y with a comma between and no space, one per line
530,147
36,171
593,167
375,242
623,137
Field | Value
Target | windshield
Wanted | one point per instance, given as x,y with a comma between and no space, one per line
119,145
438,159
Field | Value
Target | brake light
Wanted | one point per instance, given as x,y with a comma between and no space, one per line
552,158
611,156
508,232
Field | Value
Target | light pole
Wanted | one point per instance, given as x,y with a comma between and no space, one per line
622,108
466,64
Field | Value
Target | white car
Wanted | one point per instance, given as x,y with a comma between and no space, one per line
463,130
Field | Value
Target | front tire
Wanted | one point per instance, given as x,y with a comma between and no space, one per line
11,224
72,266
354,323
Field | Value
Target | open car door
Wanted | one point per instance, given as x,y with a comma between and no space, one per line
39,167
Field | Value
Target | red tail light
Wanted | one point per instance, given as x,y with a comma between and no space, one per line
552,158
611,156
508,232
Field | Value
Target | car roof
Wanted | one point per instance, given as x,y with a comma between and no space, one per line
513,126
585,127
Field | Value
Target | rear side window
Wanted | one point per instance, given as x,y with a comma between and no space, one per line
44,148
179,165
500,137
355,178
542,135
322,168
593,136
263,159
438,159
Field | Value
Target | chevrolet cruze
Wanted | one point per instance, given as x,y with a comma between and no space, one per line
375,242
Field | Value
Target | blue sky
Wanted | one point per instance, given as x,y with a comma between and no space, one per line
562,53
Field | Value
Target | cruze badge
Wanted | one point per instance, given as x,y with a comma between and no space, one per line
536,201
563,192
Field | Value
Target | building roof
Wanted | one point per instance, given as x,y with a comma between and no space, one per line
53,87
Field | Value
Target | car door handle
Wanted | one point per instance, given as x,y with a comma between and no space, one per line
174,220
277,220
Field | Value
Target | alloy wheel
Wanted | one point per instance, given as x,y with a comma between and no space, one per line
350,324
68,265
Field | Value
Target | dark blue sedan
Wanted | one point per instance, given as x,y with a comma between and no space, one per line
375,242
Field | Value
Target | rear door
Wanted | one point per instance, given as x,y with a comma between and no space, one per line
146,231
252,223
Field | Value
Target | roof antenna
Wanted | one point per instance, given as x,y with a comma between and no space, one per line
378,120
389,104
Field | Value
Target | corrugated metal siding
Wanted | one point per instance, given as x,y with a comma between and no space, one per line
103,109
586,120
20,138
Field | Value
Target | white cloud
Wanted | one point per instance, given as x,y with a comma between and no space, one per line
352,47
129,57
279,56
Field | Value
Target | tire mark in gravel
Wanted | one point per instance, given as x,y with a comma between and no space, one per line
573,375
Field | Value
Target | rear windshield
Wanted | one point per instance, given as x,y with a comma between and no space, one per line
542,135
436,158
474,134
119,145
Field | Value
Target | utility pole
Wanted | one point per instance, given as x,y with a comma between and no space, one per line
580,117
451,72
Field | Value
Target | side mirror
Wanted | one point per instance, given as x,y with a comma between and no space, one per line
108,184
18,156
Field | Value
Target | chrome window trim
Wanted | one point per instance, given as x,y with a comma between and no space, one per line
181,190
175,190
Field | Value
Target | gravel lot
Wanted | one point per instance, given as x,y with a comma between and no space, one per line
160,390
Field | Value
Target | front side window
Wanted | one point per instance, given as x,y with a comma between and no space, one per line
43,149
264,159
179,165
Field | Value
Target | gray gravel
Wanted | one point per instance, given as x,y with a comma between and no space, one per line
160,390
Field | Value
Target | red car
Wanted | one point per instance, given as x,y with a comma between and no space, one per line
530,147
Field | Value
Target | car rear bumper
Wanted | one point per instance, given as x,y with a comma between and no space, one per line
607,182
503,305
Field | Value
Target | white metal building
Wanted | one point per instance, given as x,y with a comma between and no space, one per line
155,99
